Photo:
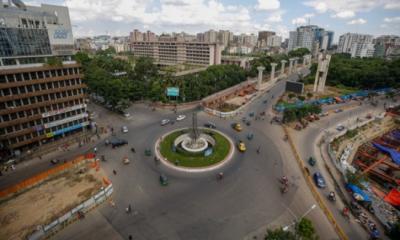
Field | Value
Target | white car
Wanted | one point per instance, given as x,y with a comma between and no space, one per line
124,129
127,115
180,117
164,122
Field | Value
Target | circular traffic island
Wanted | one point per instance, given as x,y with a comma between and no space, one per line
194,149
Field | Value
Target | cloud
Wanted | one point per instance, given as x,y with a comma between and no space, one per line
357,21
344,14
348,8
268,5
302,20
392,20
275,16
392,5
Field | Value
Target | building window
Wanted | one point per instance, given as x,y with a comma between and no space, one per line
2,78
40,74
18,77
26,77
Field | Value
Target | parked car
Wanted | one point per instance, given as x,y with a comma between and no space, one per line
237,127
118,142
124,129
164,122
319,180
180,117
127,115
338,110
210,125
163,180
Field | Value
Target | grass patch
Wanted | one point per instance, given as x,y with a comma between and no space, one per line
220,151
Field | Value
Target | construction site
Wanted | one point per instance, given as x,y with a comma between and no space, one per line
50,200
369,158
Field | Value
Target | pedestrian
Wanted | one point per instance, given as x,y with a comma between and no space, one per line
115,172
258,150
129,209
95,149
130,237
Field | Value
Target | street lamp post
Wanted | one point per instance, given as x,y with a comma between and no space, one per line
297,220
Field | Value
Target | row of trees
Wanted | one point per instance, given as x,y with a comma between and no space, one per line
143,80
361,73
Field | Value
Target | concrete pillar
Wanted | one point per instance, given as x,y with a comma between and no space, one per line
290,65
322,72
283,62
260,76
273,65
305,57
295,63
309,60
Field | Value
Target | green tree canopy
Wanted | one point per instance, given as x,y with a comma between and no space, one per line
300,52
305,229
279,234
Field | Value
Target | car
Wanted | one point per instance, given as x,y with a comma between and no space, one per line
210,125
124,129
180,117
164,122
319,180
163,180
118,142
338,110
126,114
340,127
237,127
241,146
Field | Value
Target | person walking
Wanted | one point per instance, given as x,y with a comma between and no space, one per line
115,172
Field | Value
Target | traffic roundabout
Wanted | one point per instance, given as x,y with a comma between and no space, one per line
194,149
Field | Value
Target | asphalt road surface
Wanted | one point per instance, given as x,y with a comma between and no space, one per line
196,205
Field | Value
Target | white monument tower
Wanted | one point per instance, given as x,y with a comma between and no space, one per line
322,72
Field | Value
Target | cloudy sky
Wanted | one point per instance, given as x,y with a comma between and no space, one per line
119,17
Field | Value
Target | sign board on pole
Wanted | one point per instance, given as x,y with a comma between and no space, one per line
173,92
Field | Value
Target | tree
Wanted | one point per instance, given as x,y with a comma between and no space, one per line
82,58
309,95
305,229
291,95
394,232
300,52
279,234
54,61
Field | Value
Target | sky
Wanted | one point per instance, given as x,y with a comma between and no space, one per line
119,17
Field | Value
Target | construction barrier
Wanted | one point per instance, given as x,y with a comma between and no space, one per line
74,214
32,181
314,191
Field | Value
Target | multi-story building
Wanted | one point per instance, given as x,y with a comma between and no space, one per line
136,35
274,41
178,52
42,97
263,35
225,37
362,50
305,36
347,40
211,36
84,44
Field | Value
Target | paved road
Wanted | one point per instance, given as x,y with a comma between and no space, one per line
195,205
326,127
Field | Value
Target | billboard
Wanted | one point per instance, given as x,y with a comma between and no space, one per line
172,92
295,87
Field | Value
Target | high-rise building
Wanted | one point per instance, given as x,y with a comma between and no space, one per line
42,96
210,36
224,37
305,36
263,35
347,40
274,41
362,50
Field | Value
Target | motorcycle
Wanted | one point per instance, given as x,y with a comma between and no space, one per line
332,196
220,176
284,189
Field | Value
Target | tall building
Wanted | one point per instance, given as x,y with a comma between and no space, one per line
210,36
305,36
178,52
41,99
362,50
136,35
263,35
274,41
347,40
224,37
